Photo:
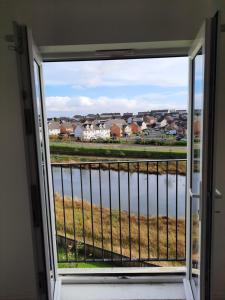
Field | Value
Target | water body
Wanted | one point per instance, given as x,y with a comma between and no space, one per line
176,190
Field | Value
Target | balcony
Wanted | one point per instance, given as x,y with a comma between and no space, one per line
120,214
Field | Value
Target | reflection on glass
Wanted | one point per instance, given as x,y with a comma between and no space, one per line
197,116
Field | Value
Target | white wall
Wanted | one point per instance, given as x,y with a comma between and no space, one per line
16,254
59,22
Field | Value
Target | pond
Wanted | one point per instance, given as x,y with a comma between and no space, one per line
170,189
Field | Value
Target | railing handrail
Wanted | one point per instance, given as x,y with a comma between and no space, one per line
55,164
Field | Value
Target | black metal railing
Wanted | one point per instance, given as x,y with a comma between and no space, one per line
120,211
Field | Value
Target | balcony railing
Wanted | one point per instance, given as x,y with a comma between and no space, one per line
120,211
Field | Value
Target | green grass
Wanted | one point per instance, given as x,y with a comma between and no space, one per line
85,265
137,152
62,256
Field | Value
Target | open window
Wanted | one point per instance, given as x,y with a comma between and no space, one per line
199,177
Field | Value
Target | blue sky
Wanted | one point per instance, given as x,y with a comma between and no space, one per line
115,86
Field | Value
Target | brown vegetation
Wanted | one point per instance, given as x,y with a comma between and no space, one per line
154,239
143,167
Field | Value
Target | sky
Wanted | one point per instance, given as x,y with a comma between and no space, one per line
130,85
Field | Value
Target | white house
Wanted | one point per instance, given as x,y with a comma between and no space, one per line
142,125
78,131
53,128
127,130
163,123
90,132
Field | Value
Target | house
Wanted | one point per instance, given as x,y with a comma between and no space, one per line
127,116
129,120
78,131
142,125
115,131
150,120
90,132
143,113
53,128
127,131
110,116
66,127
163,123
160,112
118,122
135,128
137,119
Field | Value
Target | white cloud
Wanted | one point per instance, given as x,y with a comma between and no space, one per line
163,72
57,103
84,105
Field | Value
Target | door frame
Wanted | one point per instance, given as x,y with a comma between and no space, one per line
155,51
206,40
26,54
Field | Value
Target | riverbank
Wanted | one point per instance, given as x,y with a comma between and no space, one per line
174,167
148,229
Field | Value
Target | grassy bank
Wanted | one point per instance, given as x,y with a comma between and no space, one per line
138,152
150,168
146,226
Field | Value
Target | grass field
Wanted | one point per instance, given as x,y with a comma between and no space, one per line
147,152
146,226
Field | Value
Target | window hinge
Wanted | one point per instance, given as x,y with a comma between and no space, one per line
36,209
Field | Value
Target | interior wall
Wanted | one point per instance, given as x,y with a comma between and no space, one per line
64,22
17,280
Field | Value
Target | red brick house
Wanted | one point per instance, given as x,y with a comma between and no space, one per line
134,127
115,131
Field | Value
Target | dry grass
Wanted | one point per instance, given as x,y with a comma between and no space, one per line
161,239
143,167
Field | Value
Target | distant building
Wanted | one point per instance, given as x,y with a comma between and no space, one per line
91,117
150,120
78,131
66,127
116,127
135,128
143,113
181,111
142,125
115,131
163,123
160,112
78,117
118,122
126,116
110,116
137,119
89,132
53,128
127,130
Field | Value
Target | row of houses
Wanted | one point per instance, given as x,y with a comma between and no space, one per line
181,113
117,128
